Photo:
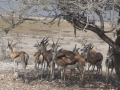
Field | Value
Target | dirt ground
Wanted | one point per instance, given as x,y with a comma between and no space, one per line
67,40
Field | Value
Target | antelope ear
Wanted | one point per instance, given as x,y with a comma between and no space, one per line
14,44
58,45
47,44
91,47
81,49
51,50
35,45
78,48
60,50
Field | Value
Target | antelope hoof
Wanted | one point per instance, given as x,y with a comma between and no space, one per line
37,75
26,81
15,75
52,78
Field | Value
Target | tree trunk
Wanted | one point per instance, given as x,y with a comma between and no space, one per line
117,55
117,64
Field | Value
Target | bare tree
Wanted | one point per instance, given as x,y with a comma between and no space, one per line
82,14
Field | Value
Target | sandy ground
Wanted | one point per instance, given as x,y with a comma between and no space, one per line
67,41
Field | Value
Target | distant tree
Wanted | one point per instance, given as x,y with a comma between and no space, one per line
82,14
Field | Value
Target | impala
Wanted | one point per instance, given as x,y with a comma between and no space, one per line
93,57
110,63
18,57
66,59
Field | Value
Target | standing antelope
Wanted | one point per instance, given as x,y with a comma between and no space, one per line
92,57
18,57
66,59
47,55
39,59
110,63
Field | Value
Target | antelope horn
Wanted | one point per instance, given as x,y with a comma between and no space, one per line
14,44
46,38
85,42
8,42
46,42
38,42
43,39
57,41
75,46
53,40
11,42
78,48
109,47
91,46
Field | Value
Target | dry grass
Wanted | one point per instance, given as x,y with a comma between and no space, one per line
30,26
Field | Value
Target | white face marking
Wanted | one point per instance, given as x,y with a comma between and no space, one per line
109,52
72,66
53,55
85,51
41,57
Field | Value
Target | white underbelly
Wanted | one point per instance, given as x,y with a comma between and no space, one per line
18,60
41,57
72,66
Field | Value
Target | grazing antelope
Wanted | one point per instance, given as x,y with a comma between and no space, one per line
110,63
66,59
92,57
18,57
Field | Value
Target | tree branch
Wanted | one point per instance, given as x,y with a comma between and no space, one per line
99,32
101,19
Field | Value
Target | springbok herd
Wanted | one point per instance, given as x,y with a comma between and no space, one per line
63,59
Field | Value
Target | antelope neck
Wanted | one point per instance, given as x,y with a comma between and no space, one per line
44,50
111,55
10,50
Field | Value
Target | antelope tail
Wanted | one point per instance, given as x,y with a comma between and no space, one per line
26,58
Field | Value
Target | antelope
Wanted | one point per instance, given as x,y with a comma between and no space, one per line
18,57
66,59
47,55
93,57
39,59
110,63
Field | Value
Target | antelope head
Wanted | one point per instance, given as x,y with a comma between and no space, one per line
54,54
43,43
54,45
110,51
54,49
10,46
37,44
75,50
86,48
